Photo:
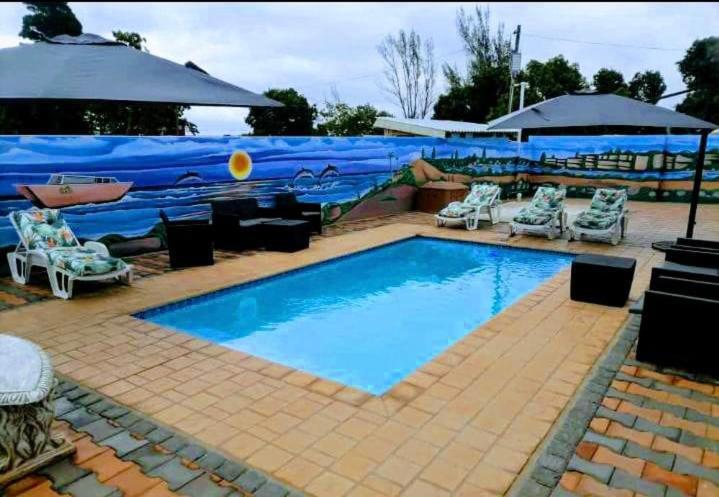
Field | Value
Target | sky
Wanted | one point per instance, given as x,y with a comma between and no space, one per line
321,48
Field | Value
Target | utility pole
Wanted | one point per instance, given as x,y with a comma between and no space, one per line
515,64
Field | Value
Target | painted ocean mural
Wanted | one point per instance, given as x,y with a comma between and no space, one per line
183,174
353,177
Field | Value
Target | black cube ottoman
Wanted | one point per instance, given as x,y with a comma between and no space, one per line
286,235
602,279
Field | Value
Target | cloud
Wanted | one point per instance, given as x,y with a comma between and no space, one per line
317,46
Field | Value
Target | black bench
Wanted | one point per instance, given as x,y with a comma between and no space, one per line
236,223
602,279
676,331
286,235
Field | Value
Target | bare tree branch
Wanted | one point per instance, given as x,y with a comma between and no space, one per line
484,48
410,72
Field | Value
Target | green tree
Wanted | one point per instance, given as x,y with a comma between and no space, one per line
49,19
138,118
482,94
610,81
340,119
131,39
551,79
296,118
647,86
700,72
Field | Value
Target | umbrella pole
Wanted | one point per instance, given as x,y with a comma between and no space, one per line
698,173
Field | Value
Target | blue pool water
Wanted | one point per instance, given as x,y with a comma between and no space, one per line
370,319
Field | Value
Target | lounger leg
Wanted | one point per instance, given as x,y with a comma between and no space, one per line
471,223
60,283
19,268
126,278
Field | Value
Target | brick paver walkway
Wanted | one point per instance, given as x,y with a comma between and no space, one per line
466,423
655,434
122,453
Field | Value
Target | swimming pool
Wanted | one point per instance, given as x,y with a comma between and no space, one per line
366,320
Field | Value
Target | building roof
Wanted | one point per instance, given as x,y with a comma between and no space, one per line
596,109
430,127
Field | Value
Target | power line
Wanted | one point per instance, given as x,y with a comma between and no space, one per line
604,43
555,38
369,75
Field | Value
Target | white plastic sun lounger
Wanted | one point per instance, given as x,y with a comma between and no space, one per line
66,262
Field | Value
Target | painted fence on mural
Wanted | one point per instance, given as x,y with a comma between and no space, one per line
353,177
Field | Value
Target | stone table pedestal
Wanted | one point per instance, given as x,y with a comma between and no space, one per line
26,410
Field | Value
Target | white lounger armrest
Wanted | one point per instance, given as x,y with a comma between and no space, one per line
98,247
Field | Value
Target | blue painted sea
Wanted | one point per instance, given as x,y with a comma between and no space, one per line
182,174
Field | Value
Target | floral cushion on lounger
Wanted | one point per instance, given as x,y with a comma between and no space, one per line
534,216
481,194
594,219
608,200
455,209
42,229
83,262
548,198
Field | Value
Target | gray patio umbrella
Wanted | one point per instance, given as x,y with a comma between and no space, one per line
587,109
91,68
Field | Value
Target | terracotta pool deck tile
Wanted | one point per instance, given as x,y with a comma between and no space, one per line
197,422
398,470
295,441
375,448
490,478
303,408
443,474
269,458
503,458
354,466
268,436
356,428
352,396
329,484
334,445
428,403
524,362
298,472
242,445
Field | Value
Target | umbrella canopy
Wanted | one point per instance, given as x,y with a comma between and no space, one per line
586,109
91,68
594,109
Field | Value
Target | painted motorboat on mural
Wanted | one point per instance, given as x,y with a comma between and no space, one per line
64,190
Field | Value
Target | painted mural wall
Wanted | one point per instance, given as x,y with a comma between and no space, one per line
353,177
